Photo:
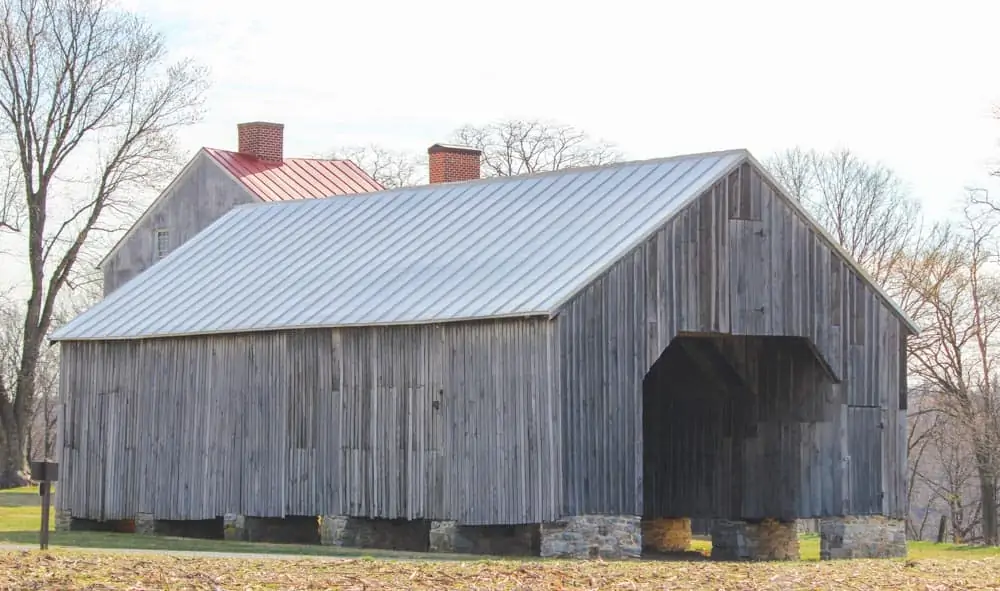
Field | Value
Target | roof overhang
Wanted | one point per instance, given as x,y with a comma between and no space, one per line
545,316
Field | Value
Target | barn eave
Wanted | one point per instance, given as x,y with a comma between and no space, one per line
541,315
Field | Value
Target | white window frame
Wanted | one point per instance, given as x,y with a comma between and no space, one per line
157,235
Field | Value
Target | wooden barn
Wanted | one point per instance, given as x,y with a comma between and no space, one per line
573,363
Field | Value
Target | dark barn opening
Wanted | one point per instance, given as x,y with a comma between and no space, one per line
733,427
206,529
403,535
291,529
121,526
498,540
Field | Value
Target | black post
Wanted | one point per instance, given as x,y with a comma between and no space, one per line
45,489
45,473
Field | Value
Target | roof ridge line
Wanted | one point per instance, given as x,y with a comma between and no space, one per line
561,171
314,159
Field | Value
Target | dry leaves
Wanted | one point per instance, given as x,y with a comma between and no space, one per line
79,570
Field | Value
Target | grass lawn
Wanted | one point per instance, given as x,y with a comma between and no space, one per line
929,566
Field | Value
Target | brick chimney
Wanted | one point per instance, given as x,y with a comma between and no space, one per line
263,140
453,163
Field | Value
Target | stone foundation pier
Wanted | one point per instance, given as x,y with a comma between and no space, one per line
769,539
145,525
666,534
873,536
592,536
63,519
234,528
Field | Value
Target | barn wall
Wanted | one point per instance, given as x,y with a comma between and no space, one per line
199,196
738,261
448,422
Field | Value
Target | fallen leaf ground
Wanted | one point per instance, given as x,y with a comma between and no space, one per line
75,570
930,567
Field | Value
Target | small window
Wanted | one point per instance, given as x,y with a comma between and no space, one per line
162,243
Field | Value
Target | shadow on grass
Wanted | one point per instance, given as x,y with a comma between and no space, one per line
125,541
809,548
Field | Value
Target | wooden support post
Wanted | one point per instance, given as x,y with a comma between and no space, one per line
45,489
45,473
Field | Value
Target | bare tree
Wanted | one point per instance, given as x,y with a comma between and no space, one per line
510,147
943,473
863,204
955,356
513,147
955,481
921,500
795,169
89,106
390,168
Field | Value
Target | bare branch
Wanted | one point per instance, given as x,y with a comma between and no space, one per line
509,147
391,169
513,147
863,204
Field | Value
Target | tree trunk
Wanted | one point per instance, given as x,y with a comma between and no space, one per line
942,528
988,496
15,416
13,458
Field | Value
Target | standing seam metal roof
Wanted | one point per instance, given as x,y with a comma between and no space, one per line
294,178
503,247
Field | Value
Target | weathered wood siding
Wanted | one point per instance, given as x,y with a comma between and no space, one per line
738,261
200,195
441,422
786,398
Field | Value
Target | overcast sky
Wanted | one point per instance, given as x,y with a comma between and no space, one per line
913,87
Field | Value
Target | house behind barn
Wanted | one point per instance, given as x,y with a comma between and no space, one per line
572,363
215,181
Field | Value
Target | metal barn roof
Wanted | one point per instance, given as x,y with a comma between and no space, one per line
295,178
513,246
502,247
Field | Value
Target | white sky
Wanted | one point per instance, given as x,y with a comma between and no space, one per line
912,87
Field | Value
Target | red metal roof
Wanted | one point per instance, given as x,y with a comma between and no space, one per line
295,178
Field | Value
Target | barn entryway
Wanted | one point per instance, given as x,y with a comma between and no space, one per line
732,431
